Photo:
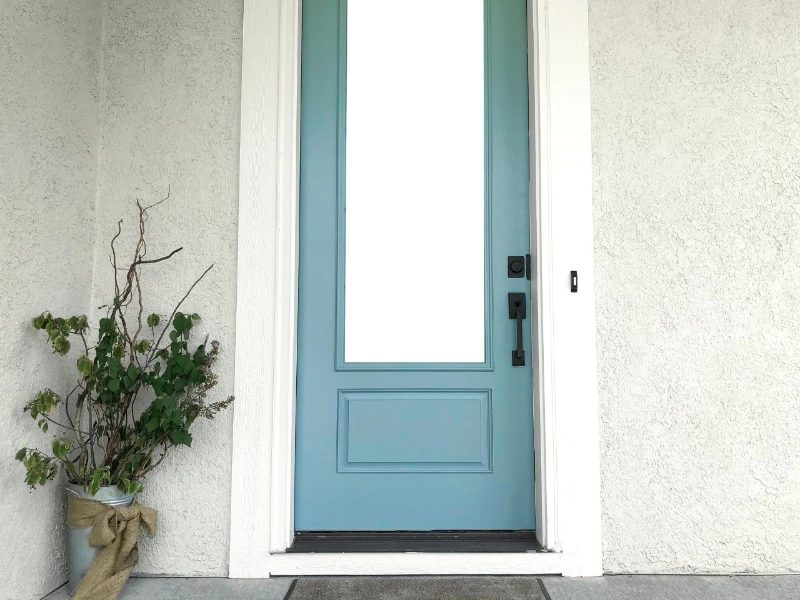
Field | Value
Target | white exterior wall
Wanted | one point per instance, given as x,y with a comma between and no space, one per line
170,118
697,213
48,105
696,148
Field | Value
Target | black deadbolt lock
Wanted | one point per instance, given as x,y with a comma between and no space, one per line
516,266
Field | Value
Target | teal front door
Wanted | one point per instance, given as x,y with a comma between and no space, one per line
414,360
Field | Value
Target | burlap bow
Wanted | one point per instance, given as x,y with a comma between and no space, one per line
115,530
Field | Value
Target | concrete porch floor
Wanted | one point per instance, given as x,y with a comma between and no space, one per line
612,587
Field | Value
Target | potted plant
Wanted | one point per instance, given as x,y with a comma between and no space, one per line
139,388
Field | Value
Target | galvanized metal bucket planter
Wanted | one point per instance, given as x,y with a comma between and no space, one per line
81,554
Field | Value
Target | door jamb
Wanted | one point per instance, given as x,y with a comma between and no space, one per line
565,406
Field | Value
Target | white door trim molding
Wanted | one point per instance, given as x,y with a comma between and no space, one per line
566,435
569,451
263,441
416,563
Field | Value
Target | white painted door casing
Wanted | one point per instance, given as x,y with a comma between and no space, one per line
565,403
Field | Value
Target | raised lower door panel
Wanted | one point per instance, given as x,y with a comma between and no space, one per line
413,431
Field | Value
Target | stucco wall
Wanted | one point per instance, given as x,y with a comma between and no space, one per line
695,110
697,212
48,105
170,119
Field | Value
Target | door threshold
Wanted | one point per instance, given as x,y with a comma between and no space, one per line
415,541
413,563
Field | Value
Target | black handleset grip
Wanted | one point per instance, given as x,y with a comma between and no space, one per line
517,310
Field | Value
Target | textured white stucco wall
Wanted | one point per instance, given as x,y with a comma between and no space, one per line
697,213
171,78
695,111
48,105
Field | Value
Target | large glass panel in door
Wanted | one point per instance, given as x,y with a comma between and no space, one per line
411,413
415,181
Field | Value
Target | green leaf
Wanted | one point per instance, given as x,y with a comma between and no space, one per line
20,455
38,468
153,320
129,487
43,404
152,425
179,322
114,366
61,447
113,385
143,346
183,364
195,317
82,324
61,344
100,476
84,365
179,438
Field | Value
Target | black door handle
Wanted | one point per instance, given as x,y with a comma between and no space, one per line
517,310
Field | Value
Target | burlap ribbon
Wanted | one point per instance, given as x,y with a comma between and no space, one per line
115,530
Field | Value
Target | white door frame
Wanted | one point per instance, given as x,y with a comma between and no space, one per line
565,403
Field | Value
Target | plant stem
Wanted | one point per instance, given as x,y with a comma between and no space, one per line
175,310
54,422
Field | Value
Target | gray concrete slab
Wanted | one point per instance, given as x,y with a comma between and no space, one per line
610,587
674,587
417,588
176,588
